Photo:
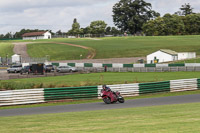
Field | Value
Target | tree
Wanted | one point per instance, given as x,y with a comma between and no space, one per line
154,27
192,23
173,24
87,30
98,27
185,10
75,28
115,32
59,32
108,30
166,25
130,15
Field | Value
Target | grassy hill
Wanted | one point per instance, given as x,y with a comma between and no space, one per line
114,47
118,47
6,49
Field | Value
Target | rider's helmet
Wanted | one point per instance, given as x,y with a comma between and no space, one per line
104,86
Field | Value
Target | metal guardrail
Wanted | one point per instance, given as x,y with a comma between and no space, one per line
16,97
29,96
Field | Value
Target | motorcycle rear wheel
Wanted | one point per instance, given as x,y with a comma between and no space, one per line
107,100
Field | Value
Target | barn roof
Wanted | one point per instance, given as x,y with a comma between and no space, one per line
168,51
34,34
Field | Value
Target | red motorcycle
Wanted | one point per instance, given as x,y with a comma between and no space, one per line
109,96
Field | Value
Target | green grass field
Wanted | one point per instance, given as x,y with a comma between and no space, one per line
94,79
141,46
56,51
156,119
117,47
6,49
113,47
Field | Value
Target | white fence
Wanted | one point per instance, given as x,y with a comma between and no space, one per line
183,85
16,97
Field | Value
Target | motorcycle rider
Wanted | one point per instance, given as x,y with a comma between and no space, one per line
108,89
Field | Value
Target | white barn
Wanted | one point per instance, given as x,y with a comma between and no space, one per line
162,55
37,35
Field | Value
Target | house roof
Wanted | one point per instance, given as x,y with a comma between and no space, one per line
34,34
168,51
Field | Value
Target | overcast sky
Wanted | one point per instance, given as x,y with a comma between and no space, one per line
59,14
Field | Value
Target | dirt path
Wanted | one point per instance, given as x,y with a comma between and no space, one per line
21,49
91,51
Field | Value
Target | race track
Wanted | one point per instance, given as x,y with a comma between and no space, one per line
102,106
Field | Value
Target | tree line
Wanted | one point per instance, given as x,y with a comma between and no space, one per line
98,27
136,17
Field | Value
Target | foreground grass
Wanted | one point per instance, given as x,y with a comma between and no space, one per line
118,47
6,49
165,119
155,95
93,79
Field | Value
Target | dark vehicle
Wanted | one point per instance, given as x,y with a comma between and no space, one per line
38,68
14,69
34,68
26,69
48,68
109,96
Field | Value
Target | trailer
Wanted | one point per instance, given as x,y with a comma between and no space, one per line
38,68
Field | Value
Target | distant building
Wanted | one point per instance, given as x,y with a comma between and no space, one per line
166,55
186,55
162,55
37,35
16,58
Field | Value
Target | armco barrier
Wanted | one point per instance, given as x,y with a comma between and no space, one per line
183,85
155,87
29,96
70,93
16,97
198,84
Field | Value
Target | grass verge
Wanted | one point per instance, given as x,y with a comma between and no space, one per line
92,79
165,119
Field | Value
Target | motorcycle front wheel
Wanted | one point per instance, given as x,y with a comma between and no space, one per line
107,100
121,100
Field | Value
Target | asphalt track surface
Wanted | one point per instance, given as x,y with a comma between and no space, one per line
101,106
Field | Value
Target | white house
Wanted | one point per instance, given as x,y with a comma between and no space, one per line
162,55
16,58
186,55
37,35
